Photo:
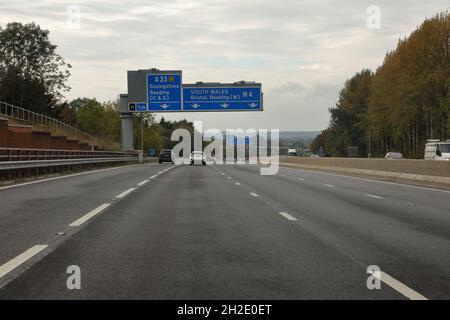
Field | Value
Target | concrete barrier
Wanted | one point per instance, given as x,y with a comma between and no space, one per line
19,136
26,136
41,139
418,170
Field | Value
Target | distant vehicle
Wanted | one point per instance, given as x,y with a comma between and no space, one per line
394,156
197,157
166,155
292,153
437,150
315,156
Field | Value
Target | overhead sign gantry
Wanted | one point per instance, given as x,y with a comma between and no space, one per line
154,90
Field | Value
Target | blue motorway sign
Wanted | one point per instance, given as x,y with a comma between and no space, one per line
151,152
137,106
141,106
222,98
164,92
239,141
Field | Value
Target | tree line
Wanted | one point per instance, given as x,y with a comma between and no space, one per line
399,106
34,76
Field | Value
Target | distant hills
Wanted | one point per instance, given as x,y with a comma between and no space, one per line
300,139
298,135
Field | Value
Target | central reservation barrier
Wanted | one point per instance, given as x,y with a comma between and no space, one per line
418,170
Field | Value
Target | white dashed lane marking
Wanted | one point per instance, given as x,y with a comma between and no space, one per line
89,215
140,184
20,259
123,194
373,196
287,216
398,286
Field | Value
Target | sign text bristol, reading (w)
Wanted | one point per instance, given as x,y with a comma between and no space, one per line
156,90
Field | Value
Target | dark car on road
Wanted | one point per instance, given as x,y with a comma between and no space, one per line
166,155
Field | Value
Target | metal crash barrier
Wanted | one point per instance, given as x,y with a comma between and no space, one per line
17,158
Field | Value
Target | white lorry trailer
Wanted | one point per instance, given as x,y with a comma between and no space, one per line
437,150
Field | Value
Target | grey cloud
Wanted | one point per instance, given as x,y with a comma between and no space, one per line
302,51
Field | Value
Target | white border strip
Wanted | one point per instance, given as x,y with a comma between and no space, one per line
65,176
287,166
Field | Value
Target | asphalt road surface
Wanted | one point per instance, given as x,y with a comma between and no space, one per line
223,232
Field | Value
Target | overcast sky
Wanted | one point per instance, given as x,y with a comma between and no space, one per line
301,51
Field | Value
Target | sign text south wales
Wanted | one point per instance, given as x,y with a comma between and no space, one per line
221,98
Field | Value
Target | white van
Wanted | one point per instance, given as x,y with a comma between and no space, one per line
437,150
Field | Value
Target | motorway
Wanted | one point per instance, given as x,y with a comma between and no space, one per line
222,232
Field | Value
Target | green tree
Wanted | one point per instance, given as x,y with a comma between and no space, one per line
404,103
32,74
348,125
91,118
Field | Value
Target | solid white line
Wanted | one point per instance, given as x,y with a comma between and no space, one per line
237,183
287,216
123,194
373,180
253,194
21,258
154,176
89,215
398,286
372,196
328,185
301,179
142,183
62,177
161,172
